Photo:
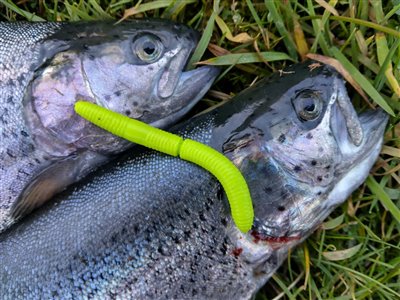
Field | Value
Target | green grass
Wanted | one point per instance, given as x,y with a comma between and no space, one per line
356,253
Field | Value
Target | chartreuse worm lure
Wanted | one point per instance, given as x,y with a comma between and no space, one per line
206,157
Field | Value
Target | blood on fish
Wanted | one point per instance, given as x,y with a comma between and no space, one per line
237,251
272,239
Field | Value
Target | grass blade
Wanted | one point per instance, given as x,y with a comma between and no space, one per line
205,38
393,11
29,16
379,192
369,24
239,38
140,8
245,58
331,224
287,38
318,28
384,59
342,254
362,81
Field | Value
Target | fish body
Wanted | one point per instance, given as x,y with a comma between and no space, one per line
150,226
135,68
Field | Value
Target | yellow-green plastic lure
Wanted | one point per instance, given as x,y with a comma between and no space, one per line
208,158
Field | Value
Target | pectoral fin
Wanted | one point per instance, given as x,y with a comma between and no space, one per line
54,179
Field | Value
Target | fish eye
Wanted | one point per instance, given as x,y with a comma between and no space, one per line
148,48
308,105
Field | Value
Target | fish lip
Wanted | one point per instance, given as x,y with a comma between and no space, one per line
352,131
351,119
356,161
184,75
203,77
373,124
178,65
212,71
200,79
379,116
166,83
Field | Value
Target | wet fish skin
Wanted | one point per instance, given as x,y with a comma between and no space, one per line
151,226
46,67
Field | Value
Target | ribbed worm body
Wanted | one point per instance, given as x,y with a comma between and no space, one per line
222,168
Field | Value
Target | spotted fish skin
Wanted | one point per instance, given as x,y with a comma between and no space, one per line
17,40
151,226
46,67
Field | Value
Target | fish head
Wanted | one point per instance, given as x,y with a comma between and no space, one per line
303,150
147,63
136,68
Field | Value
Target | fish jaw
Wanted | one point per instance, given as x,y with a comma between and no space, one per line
201,80
361,157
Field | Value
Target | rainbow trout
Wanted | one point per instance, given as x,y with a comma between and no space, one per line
135,68
150,226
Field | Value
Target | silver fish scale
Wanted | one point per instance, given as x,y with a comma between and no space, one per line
137,256
18,53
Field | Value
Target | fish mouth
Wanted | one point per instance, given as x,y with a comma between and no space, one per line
372,123
170,82
180,87
169,79
356,135
191,87
360,158
274,241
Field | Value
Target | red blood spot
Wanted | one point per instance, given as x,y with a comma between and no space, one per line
282,239
237,251
256,235
272,239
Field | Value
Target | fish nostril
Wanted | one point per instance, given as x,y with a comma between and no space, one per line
281,208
